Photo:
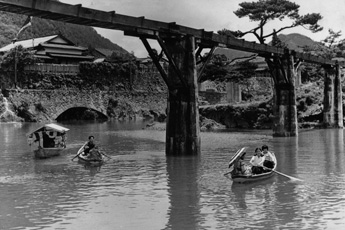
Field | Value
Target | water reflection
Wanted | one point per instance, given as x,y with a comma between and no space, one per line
184,210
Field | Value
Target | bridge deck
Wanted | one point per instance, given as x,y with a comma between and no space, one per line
77,14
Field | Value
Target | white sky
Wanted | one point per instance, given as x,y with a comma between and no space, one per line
211,15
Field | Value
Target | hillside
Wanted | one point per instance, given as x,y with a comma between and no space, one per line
81,35
297,41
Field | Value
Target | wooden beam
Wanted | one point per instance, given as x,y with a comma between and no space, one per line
208,58
171,61
156,62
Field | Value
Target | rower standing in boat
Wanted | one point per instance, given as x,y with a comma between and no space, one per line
257,161
268,163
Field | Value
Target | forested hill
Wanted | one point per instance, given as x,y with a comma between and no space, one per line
81,35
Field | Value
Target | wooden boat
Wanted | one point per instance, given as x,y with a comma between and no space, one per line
92,161
48,140
248,176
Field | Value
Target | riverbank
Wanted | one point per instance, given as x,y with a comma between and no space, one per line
255,113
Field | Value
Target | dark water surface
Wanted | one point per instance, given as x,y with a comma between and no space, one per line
140,188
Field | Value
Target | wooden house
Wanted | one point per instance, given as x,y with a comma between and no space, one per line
54,49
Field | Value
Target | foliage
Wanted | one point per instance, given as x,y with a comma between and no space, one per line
311,72
22,56
241,71
216,69
18,58
104,74
118,57
226,32
264,11
330,47
333,46
277,42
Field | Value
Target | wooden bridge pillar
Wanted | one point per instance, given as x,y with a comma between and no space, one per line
284,100
332,103
182,128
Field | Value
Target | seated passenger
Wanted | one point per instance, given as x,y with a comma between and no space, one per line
240,166
269,163
257,161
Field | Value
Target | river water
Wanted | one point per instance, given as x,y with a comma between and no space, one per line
141,188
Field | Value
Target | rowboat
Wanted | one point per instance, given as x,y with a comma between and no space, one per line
93,162
48,140
93,158
248,176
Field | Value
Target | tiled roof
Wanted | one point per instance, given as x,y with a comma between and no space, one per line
29,43
64,46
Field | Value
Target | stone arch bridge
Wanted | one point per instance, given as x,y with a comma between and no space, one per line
53,103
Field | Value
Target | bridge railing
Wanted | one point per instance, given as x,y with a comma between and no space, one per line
53,68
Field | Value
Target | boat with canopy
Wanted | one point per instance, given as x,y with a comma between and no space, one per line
48,140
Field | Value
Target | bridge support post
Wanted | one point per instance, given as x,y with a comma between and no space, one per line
182,128
332,104
285,122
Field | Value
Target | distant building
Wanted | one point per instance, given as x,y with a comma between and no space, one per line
101,54
54,49
147,65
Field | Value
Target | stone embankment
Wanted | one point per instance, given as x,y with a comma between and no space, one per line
139,95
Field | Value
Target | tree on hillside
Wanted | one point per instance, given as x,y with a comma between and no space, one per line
17,56
330,47
333,45
242,72
264,11
216,69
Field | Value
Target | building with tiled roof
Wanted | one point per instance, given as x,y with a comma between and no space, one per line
52,49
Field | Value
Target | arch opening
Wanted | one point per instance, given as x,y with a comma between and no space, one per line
81,114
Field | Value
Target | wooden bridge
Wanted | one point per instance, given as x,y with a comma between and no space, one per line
183,46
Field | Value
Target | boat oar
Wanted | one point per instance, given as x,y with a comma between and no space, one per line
282,174
80,151
105,155
231,169
290,177
227,173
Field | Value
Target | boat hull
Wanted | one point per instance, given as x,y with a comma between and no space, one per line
43,153
251,178
92,162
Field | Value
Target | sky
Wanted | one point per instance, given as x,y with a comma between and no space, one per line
211,15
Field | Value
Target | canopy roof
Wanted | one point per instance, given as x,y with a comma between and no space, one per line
51,127
238,154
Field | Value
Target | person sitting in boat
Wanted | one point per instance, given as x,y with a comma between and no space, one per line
268,163
257,161
241,167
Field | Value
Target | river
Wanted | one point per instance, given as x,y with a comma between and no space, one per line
141,188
